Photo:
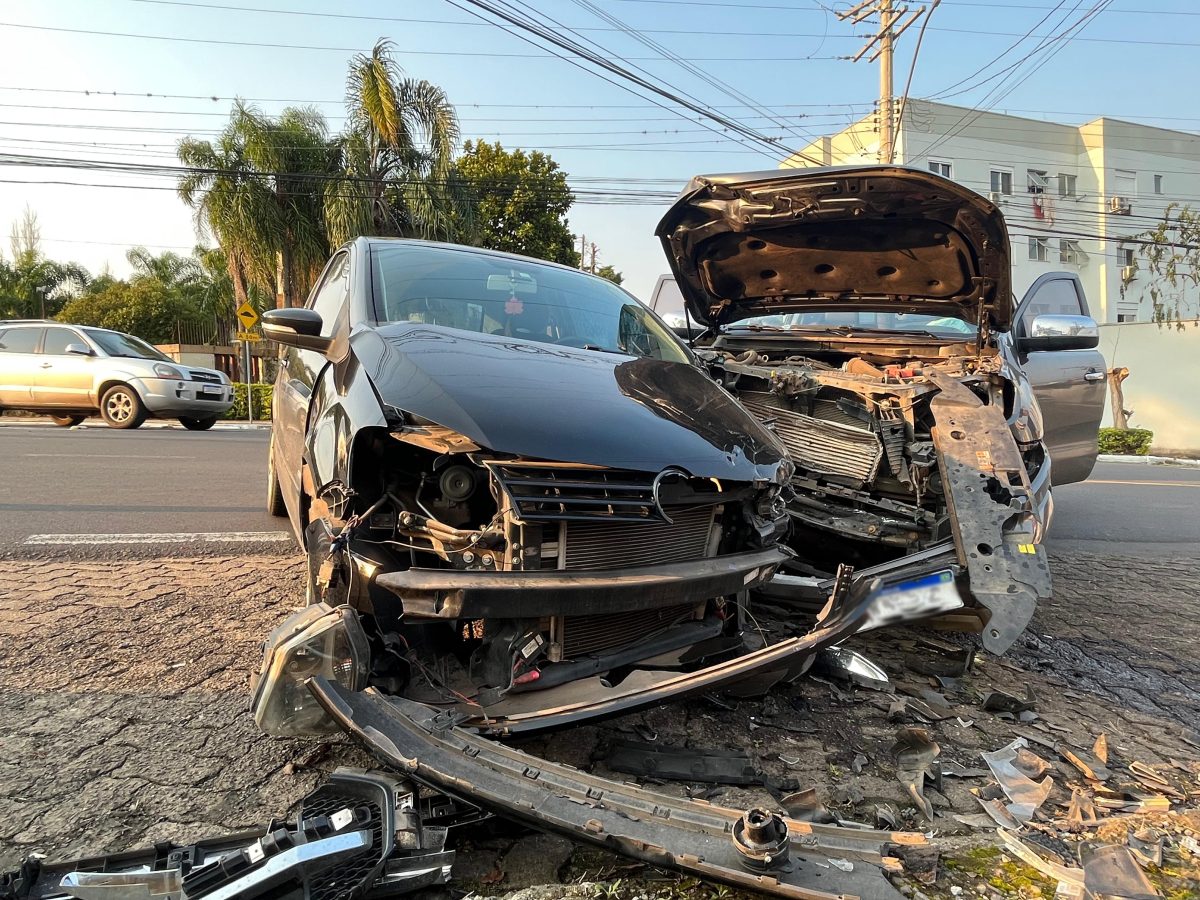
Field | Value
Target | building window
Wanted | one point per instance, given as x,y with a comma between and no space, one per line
1126,256
1158,184
1125,183
1126,317
1066,185
1070,252
1039,249
1001,182
1036,180
941,168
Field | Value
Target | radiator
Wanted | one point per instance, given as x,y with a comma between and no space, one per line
818,445
586,635
625,545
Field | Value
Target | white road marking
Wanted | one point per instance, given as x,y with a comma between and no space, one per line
1146,483
196,537
103,456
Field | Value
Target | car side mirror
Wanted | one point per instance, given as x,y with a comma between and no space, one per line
295,327
78,349
1053,332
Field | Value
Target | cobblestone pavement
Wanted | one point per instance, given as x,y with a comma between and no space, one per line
123,689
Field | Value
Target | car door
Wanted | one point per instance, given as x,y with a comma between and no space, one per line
1069,384
298,373
60,378
18,362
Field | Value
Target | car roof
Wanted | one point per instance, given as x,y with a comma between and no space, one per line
463,248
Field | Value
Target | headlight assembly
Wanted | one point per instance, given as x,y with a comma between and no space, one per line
317,640
162,370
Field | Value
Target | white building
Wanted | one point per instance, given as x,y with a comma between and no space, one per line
1072,195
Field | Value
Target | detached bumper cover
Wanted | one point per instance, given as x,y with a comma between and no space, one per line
690,836
451,594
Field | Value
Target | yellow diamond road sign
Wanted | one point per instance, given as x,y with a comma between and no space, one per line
247,316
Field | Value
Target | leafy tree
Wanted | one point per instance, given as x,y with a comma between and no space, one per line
611,274
395,158
259,191
1172,261
521,201
32,286
145,306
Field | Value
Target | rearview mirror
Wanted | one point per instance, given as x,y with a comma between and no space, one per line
78,349
516,283
1053,332
295,327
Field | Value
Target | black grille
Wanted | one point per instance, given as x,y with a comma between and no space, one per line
587,635
351,877
577,494
624,545
208,377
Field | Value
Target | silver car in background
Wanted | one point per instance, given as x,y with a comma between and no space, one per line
70,372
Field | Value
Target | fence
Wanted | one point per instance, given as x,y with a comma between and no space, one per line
1163,387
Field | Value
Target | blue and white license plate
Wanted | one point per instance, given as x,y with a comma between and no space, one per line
920,598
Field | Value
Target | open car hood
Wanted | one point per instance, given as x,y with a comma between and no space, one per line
883,238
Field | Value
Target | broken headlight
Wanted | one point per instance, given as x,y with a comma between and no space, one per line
317,640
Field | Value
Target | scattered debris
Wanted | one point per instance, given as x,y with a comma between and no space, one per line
955,770
682,764
920,863
1146,845
1025,794
1000,701
1100,749
856,764
1000,814
943,660
1049,868
1088,766
806,806
1029,763
1111,872
1082,810
1131,801
915,752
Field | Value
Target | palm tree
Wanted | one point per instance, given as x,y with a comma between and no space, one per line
259,191
34,287
396,156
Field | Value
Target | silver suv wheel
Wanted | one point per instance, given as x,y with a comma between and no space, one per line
121,407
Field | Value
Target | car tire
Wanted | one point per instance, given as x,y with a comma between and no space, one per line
121,407
275,504
67,421
198,424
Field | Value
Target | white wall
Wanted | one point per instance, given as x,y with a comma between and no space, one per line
1163,387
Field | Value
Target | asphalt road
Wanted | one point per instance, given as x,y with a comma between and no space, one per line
98,481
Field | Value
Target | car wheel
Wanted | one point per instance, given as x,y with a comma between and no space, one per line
67,421
198,424
275,504
121,407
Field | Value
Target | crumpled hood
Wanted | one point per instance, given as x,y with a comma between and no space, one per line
848,238
558,403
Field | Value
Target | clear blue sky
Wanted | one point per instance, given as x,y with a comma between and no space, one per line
1129,62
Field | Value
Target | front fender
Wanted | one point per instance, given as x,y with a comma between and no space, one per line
344,402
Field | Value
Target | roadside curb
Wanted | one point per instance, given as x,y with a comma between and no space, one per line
1149,460
21,421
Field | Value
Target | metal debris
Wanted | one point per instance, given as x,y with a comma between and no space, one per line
806,806
1146,845
1082,810
1025,794
1112,872
1001,701
1088,766
915,752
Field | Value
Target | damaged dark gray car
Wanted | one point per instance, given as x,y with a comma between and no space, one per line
866,315
520,496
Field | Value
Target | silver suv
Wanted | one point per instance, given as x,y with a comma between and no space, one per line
71,372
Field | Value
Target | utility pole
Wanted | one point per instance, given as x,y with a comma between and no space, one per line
883,42
592,267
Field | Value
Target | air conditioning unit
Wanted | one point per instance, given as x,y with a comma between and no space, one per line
1127,273
1120,206
996,196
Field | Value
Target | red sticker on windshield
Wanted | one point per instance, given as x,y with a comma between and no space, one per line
514,307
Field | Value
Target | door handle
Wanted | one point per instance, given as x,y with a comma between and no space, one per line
1093,376
47,365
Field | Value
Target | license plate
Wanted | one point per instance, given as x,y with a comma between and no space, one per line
917,599
211,389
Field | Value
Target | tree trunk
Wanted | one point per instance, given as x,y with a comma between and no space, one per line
1119,413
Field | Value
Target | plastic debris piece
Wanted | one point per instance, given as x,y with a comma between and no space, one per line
1112,872
1000,814
1146,846
887,816
1100,749
857,764
1001,701
645,732
1025,794
844,864
954,770
976,820
1145,772
1190,844
1049,868
1082,810
806,806
1132,801
920,862
1030,764
940,659
1087,765
852,666
915,752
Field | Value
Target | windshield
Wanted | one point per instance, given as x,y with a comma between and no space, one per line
116,344
900,323
516,298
